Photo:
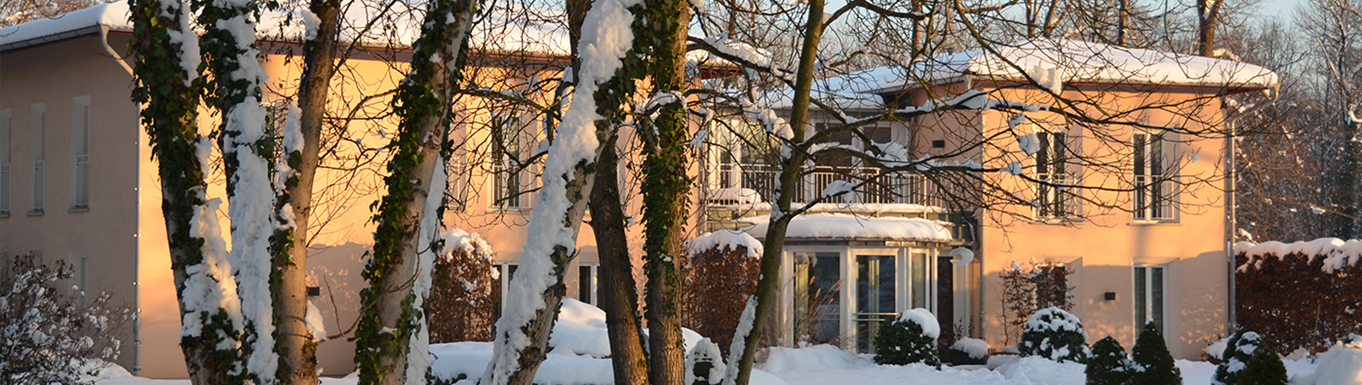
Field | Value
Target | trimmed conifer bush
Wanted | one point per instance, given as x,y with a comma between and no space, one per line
1056,335
1265,368
1153,363
1108,364
1238,351
704,364
910,338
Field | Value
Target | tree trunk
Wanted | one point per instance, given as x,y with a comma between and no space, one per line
745,339
295,343
1208,11
618,294
665,193
533,297
169,95
235,90
392,321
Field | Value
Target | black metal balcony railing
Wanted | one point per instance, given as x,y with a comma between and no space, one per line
898,187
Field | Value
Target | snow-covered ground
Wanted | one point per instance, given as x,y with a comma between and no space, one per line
580,351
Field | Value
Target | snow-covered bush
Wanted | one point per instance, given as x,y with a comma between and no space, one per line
967,351
1238,351
705,364
1108,364
1054,334
1153,363
910,338
463,301
721,273
1265,368
47,337
1280,286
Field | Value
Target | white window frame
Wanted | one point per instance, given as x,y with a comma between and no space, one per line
508,190
1154,189
6,169
37,131
1053,204
80,149
1148,295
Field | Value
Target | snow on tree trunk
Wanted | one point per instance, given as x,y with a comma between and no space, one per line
399,276
418,347
229,44
168,88
531,302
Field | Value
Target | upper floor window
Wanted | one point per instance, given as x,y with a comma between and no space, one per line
1154,186
1054,200
4,162
37,121
80,149
507,190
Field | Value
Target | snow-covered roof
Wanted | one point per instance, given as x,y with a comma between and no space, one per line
852,227
498,33
1048,62
1074,61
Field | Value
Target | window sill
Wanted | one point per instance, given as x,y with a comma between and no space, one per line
4,214
35,213
78,209
1154,223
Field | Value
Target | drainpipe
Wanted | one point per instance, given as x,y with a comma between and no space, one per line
1231,185
137,239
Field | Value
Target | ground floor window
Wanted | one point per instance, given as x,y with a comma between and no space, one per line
586,283
843,297
817,307
1149,298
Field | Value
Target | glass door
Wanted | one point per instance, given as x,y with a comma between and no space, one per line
875,297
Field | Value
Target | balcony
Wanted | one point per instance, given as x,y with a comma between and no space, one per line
758,184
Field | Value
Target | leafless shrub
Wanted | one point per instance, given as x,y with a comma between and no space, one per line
47,337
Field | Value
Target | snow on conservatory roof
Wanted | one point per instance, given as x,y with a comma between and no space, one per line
400,28
853,227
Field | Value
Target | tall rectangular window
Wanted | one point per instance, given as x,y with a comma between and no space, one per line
586,283
506,165
80,151
1153,187
1052,200
1149,298
5,168
36,122
817,297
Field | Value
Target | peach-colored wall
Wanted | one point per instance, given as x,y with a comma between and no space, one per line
107,233
1103,249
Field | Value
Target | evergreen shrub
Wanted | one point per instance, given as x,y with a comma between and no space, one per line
1153,363
1056,335
910,338
1108,364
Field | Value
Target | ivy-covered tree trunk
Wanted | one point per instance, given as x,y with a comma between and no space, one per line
295,343
166,54
229,50
666,189
392,321
749,330
618,294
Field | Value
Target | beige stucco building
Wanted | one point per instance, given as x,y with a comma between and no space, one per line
79,184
